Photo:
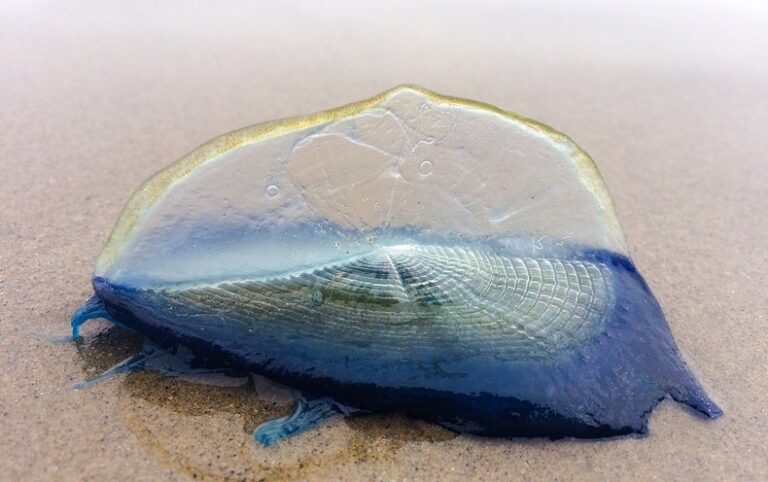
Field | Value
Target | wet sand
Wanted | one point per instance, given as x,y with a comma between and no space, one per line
670,102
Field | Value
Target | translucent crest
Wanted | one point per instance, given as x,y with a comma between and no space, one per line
302,192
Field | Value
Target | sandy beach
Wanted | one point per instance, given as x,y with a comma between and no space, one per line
669,99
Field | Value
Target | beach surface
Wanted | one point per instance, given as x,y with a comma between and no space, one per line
671,100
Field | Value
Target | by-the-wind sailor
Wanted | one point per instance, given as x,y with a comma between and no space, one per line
411,252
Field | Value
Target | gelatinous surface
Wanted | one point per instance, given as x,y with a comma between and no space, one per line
411,253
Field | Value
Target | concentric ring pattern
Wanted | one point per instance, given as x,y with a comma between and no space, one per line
411,297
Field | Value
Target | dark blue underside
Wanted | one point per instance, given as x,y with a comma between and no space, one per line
607,387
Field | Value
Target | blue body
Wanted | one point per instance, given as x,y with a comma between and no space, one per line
605,387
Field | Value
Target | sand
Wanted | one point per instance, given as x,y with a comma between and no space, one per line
669,99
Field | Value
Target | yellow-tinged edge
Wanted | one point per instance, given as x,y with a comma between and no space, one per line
152,189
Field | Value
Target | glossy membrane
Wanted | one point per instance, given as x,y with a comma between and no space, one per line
358,262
